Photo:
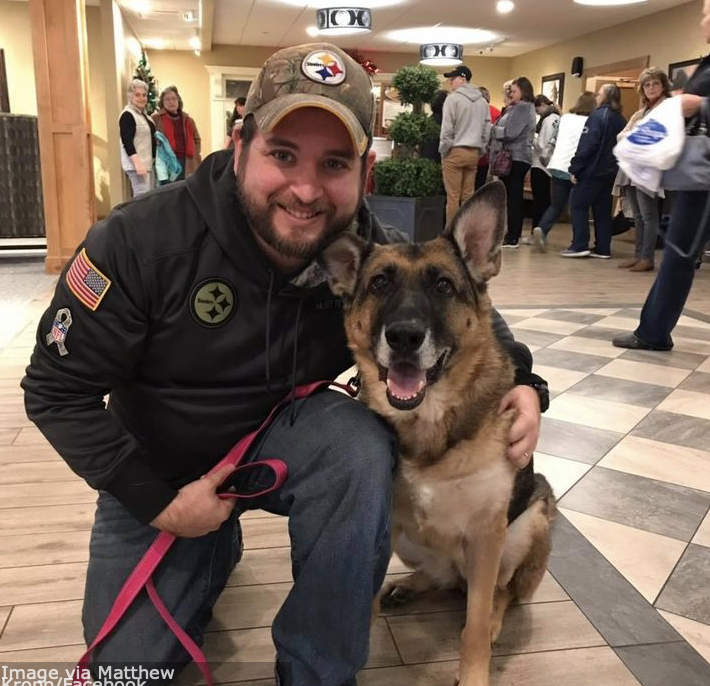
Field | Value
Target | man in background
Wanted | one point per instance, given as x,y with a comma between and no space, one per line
484,162
465,129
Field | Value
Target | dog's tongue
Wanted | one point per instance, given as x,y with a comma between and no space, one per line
405,381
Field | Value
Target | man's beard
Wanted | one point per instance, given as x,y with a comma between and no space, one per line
261,220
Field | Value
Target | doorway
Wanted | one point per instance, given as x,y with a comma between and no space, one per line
622,74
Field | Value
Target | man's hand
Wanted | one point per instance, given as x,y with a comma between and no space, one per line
525,430
690,104
573,179
197,510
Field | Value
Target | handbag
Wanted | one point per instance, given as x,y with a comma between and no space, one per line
502,163
692,170
620,223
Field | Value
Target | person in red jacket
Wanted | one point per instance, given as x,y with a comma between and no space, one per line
484,162
180,130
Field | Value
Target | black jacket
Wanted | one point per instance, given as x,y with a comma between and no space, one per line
699,83
183,391
595,156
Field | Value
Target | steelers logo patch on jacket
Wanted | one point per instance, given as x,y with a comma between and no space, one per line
213,302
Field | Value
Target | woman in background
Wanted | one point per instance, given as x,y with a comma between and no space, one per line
568,135
666,299
137,140
543,146
180,130
484,162
514,132
654,87
592,172
430,147
235,120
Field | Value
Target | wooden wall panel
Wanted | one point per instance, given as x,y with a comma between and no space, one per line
61,74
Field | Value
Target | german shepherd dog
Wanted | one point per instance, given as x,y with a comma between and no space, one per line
418,322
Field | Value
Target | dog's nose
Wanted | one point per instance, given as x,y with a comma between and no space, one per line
405,337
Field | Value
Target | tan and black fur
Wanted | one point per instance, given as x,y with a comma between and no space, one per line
418,322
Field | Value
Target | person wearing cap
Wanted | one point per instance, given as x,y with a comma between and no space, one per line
195,333
465,129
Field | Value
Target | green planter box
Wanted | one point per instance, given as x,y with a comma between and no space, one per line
420,218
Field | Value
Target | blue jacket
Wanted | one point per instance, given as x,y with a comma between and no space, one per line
594,156
167,166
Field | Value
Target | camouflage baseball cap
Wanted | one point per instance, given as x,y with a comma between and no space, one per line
314,75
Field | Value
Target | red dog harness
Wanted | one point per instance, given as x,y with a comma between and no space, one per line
141,576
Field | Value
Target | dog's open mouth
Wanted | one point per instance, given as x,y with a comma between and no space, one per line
407,384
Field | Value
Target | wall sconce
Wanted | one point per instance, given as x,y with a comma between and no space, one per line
338,21
441,54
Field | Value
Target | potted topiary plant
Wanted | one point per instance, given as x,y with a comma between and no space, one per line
408,188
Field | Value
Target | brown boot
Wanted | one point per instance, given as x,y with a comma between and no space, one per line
625,264
642,266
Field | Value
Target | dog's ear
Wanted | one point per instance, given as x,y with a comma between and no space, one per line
341,260
478,230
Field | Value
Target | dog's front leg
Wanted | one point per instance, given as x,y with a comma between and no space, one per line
482,555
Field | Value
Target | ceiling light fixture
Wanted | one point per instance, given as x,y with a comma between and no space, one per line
339,21
607,3
505,6
189,15
441,54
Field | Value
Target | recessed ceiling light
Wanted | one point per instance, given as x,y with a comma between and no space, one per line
195,43
505,6
443,34
607,3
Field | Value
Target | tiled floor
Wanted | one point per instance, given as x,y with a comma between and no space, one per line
625,444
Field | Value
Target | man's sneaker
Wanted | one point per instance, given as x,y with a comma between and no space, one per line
527,240
599,255
539,239
510,243
568,252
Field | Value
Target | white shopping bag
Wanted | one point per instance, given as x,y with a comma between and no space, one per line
657,140
648,179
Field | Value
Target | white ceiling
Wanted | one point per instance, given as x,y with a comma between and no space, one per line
532,24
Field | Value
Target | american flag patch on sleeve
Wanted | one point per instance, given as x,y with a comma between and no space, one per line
86,282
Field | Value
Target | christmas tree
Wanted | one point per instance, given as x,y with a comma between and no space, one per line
144,73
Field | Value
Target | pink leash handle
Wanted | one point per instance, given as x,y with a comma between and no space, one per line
141,576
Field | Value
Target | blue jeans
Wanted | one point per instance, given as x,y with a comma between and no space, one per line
594,193
666,299
338,494
141,184
646,221
559,194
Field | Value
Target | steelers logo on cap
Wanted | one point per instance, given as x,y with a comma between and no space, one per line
324,67
213,302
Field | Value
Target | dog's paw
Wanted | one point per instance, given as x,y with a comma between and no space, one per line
397,595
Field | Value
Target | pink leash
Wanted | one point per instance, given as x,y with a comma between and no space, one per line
141,576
